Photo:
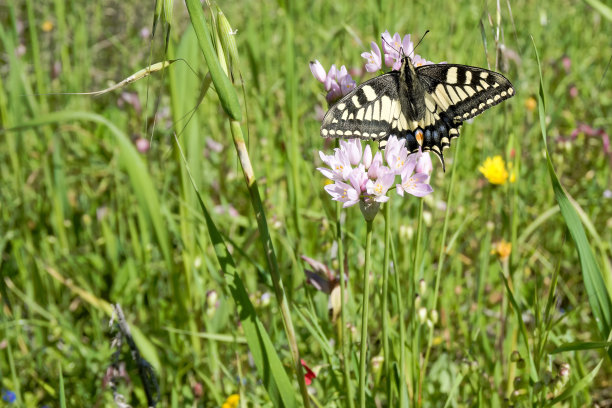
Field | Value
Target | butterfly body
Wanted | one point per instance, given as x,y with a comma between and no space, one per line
426,105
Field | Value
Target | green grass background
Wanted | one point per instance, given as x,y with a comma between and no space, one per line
86,220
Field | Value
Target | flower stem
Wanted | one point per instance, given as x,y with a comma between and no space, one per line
441,256
385,304
364,317
344,332
417,338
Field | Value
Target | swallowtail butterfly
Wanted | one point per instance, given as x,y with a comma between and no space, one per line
426,105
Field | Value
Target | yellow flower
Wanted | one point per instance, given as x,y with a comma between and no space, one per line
231,401
47,26
502,249
494,169
531,104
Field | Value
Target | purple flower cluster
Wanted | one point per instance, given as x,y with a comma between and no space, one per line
360,176
394,48
337,82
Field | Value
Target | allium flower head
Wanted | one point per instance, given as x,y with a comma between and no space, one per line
360,178
337,82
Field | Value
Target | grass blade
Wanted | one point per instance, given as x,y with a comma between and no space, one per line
599,298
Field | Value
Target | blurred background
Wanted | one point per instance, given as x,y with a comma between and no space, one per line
96,206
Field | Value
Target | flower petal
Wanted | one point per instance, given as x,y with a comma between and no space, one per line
318,71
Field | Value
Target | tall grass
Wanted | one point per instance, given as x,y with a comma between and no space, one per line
192,249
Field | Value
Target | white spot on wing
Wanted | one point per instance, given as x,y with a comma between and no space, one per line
360,114
403,123
397,109
324,132
345,115
376,115
470,91
484,84
385,110
461,93
368,115
451,75
468,77
442,97
369,92
510,91
453,95
355,100
431,105
484,74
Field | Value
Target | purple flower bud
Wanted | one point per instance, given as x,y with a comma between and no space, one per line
424,165
367,157
334,93
347,84
318,71
331,77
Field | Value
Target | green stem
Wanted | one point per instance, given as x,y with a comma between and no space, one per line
364,317
442,254
417,338
344,332
385,304
400,307
262,225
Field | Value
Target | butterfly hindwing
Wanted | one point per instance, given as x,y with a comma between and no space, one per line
371,111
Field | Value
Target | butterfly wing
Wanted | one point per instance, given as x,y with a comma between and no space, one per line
371,111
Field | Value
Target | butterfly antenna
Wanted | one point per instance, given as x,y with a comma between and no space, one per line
385,41
415,47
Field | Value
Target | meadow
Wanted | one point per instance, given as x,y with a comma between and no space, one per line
190,196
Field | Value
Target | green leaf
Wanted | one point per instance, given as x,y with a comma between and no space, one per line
267,362
223,86
582,345
604,10
599,298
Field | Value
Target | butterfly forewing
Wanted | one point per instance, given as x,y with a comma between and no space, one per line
371,111
463,91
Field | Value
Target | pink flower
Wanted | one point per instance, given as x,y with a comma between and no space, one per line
378,189
343,192
415,184
424,165
374,58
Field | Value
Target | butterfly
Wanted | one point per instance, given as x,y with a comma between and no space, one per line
426,105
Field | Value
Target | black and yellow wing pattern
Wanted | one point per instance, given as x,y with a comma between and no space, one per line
426,105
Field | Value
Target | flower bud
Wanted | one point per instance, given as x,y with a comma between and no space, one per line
564,371
422,287
515,356
434,316
369,209
422,315
318,71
